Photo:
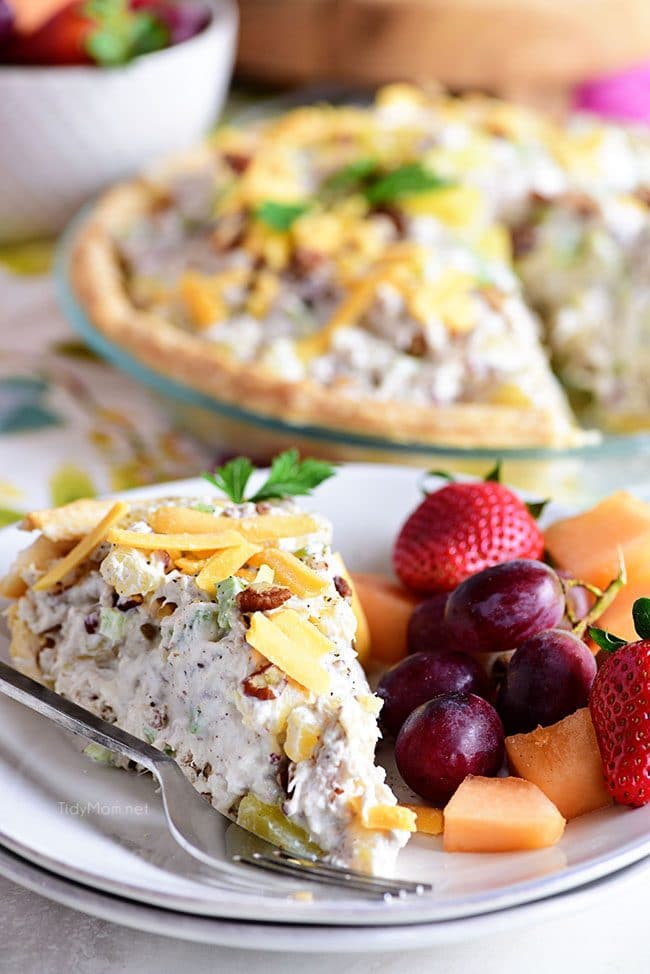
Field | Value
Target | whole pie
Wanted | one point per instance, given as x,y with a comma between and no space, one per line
430,269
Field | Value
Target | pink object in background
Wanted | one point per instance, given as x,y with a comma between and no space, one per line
624,96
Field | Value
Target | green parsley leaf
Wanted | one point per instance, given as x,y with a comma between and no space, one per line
232,478
405,181
280,216
291,476
641,616
606,640
351,176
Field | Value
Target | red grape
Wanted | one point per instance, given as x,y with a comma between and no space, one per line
549,677
6,22
422,676
426,632
498,608
578,600
444,740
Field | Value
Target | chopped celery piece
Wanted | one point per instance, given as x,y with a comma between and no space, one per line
98,753
226,593
112,624
271,824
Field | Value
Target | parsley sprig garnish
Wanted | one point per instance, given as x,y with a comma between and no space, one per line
288,476
365,176
280,216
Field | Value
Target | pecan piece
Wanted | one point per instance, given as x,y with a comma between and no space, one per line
262,599
238,161
523,239
580,203
256,686
342,586
642,193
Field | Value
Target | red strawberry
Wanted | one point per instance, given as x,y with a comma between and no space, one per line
60,40
461,529
620,711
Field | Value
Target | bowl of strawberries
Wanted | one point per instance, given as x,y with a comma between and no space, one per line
92,89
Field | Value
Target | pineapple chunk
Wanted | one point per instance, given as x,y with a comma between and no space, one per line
385,817
303,735
292,572
271,824
290,650
264,576
457,206
429,821
224,564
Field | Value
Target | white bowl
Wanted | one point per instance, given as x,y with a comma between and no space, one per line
66,132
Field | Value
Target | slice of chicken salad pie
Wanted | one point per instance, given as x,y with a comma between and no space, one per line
224,634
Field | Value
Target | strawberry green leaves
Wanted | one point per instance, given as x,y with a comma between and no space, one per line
606,640
121,33
288,476
641,617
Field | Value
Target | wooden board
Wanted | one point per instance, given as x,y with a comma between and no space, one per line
512,47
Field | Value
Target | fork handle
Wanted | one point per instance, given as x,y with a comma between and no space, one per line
76,719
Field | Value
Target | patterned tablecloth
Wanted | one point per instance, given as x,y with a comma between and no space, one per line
70,425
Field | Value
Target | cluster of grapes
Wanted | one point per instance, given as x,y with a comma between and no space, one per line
447,715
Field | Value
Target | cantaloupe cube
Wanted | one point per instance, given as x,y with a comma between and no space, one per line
564,761
618,618
500,815
586,545
388,608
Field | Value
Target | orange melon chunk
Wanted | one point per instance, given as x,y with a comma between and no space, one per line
587,544
387,608
564,761
500,815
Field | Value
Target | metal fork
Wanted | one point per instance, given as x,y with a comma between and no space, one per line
191,819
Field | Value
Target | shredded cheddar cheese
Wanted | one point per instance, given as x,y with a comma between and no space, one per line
83,549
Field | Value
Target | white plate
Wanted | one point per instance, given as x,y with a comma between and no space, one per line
315,939
105,828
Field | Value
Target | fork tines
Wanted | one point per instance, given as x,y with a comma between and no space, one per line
280,861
